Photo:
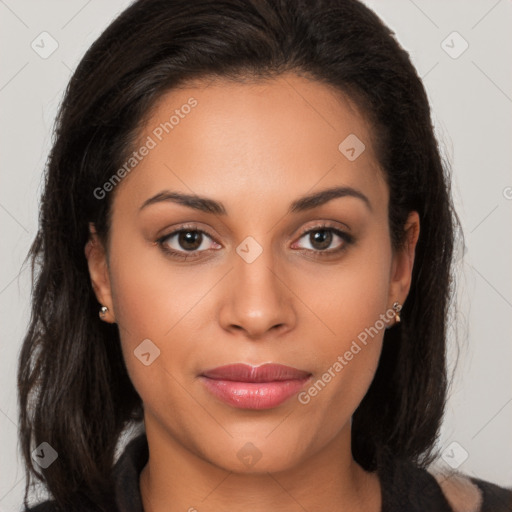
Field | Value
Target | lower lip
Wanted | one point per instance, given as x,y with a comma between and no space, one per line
254,395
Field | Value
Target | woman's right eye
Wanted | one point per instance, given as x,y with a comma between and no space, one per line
185,243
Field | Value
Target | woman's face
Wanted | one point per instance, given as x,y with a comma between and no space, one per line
259,274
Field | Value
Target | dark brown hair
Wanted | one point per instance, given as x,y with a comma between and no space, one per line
74,390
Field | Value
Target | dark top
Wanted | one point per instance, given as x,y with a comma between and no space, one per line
405,488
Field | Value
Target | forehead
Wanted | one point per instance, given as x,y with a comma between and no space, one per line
260,139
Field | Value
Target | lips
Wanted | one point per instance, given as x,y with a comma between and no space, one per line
247,373
248,387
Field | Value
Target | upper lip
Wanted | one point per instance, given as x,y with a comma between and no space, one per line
268,372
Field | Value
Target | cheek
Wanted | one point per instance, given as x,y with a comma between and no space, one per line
350,297
165,303
150,294
348,350
155,339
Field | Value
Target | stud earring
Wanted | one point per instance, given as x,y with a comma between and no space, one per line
103,311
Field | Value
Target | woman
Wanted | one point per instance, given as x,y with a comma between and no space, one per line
245,249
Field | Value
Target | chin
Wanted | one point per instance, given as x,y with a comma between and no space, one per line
245,457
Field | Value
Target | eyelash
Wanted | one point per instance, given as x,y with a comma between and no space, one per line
347,239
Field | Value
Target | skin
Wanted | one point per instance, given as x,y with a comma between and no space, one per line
256,147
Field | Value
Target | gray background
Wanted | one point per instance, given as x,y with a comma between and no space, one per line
471,98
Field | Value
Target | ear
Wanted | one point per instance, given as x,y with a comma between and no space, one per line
403,261
98,270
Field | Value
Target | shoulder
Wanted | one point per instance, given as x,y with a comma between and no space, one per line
45,506
126,493
471,494
78,503
407,486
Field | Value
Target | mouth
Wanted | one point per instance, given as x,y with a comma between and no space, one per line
249,387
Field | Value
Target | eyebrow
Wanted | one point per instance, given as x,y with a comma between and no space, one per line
301,204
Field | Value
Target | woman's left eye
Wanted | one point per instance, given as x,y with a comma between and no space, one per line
321,238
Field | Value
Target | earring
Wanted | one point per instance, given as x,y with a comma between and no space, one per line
103,311
397,307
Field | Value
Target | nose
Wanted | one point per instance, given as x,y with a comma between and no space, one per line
258,300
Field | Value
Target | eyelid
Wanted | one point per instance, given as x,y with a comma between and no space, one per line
325,224
185,227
